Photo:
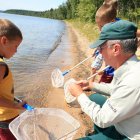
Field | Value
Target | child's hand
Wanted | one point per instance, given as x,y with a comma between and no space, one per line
20,105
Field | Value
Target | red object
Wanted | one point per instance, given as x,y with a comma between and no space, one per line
106,78
5,134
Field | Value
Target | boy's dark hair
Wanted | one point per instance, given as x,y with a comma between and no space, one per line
9,29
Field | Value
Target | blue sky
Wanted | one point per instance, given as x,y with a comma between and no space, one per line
35,5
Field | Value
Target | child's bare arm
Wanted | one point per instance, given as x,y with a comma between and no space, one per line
2,72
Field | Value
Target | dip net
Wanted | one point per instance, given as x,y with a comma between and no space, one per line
68,97
44,124
57,78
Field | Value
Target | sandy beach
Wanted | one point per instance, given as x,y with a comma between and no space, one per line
67,57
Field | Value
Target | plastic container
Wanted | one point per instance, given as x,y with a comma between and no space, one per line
44,124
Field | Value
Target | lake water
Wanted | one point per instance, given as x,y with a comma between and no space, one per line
40,38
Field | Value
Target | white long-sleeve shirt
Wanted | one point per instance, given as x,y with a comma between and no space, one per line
122,108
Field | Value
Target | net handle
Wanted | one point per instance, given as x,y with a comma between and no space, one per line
97,73
67,71
26,106
80,63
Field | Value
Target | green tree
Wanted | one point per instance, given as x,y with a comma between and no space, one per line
73,5
86,10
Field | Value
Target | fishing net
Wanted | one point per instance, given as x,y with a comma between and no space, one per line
68,97
57,78
44,123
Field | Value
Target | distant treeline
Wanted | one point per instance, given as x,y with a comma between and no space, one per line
85,10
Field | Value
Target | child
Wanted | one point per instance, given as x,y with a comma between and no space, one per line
97,63
10,39
105,14
108,13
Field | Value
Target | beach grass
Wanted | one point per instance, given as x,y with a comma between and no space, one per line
89,30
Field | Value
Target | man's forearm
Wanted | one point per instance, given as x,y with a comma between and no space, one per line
102,88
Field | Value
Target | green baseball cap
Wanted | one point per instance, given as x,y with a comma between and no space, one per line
118,30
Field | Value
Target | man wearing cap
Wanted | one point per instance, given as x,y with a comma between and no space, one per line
116,117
